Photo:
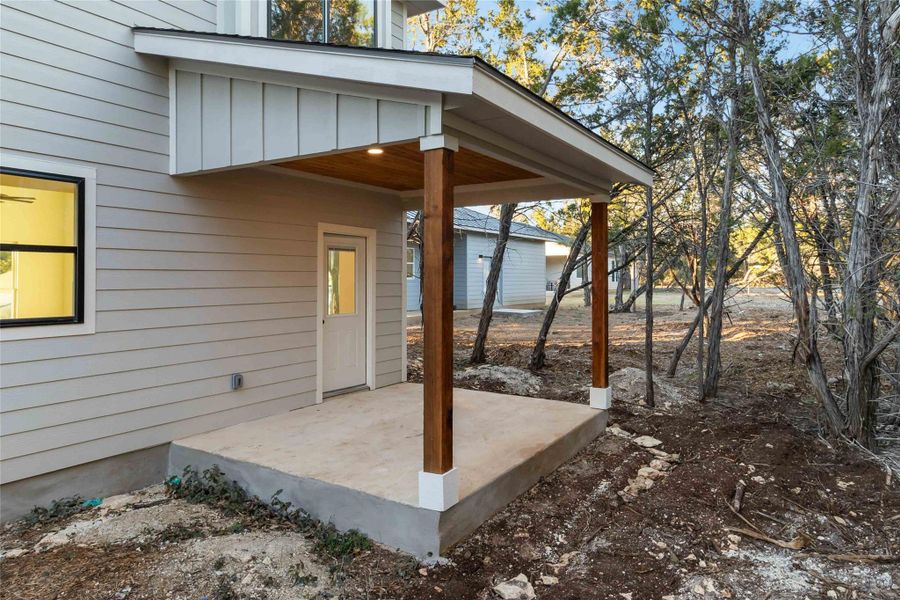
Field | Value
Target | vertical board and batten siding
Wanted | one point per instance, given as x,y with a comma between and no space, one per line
197,277
398,25
229,122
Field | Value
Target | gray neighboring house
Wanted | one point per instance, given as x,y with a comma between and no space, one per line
523,281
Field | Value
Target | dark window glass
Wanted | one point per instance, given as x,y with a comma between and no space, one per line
302,20
349,22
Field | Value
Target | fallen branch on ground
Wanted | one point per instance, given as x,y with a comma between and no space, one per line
863,558
798,543
738,496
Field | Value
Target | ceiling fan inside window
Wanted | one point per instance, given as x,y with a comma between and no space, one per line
22,199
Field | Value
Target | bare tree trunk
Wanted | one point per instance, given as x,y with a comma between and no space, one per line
490,293
620,284
640,290
701,293
420,234
861,280
586,268
794,274
682,346
648,299
635,283
825,265
720,282
538,356
620,291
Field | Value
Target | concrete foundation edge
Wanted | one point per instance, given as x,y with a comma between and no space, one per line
466,516
393,524
101,478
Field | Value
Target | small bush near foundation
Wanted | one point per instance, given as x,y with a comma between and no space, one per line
213,488
337,544
57,511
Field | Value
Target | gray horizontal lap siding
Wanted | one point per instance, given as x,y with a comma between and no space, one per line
197,278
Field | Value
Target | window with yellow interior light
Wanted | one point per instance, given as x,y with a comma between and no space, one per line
41,248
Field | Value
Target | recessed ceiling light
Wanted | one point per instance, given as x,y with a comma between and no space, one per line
375,151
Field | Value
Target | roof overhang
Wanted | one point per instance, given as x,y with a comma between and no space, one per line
418,7
460,96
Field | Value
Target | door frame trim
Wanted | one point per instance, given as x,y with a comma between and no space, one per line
369,235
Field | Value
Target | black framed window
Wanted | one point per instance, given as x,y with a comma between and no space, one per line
344,22
41,248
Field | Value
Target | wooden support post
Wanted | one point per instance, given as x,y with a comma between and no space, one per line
600,396
437,310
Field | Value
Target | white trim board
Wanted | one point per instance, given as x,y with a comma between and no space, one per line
371,249
89,174
404,350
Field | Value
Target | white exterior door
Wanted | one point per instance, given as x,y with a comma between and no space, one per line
344,317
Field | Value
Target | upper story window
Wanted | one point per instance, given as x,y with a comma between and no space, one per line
41,248
344,22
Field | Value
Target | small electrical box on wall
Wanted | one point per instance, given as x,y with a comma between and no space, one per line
237,381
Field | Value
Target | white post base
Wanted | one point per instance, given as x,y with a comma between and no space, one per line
601,398
438,491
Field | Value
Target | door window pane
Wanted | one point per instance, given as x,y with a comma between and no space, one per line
341,285
300,20
37,285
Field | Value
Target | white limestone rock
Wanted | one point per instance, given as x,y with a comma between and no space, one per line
517,588
646,441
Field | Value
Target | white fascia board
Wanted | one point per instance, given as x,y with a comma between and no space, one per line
484,141
436,74
418,7
492,88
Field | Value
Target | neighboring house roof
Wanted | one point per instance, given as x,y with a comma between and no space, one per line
466,219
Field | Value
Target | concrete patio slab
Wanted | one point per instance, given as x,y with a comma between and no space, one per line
354,459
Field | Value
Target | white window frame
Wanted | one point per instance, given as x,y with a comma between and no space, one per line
415,261
89,174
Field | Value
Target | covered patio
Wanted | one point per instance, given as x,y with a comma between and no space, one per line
430,132
352,459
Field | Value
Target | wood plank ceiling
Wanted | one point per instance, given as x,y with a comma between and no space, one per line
401,167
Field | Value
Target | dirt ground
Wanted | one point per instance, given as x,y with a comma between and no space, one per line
642,512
